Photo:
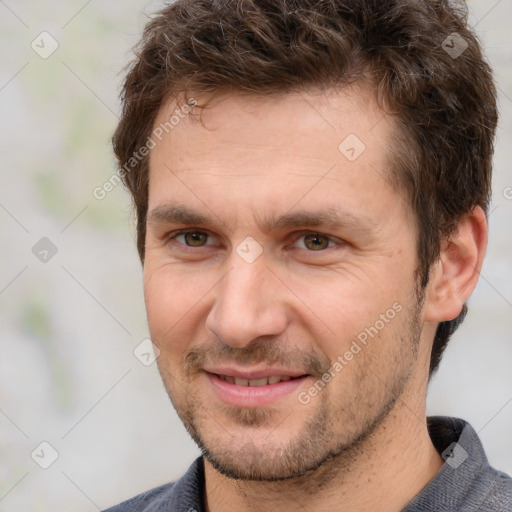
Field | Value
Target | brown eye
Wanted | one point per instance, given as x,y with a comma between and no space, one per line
194,238
316,242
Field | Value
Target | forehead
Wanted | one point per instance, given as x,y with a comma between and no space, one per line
269,153
278,121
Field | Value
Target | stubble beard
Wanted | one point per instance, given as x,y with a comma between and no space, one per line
318,451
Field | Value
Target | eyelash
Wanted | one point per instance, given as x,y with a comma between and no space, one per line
299,235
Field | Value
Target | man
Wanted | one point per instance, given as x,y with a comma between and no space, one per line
311,180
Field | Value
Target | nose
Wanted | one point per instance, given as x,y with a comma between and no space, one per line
249,303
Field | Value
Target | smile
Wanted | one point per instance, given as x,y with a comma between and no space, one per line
257,392
263,381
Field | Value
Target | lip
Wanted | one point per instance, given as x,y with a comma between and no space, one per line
253,396
253,374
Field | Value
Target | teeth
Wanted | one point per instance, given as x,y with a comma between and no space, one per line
263,381
258,382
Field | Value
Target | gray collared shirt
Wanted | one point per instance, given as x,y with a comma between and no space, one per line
465,483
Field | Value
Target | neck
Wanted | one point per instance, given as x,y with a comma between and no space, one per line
384,472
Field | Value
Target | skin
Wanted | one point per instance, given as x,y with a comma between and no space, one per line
362,442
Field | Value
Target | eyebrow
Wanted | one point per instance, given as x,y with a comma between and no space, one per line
331,217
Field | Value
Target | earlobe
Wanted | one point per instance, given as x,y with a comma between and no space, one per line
455,275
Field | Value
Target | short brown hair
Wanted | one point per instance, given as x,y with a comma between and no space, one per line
420,57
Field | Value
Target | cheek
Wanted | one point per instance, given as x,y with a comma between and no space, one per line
174,299
163,304
341,304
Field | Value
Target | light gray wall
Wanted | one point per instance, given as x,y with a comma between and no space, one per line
68,376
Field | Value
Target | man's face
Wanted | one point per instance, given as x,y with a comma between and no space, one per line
261,290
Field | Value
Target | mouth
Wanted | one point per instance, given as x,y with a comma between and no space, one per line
256,392
263,381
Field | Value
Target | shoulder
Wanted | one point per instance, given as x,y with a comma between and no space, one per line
466,482
498,492
153,500
184,495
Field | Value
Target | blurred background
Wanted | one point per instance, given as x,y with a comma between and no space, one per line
84,419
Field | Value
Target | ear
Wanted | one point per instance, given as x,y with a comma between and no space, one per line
454,276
